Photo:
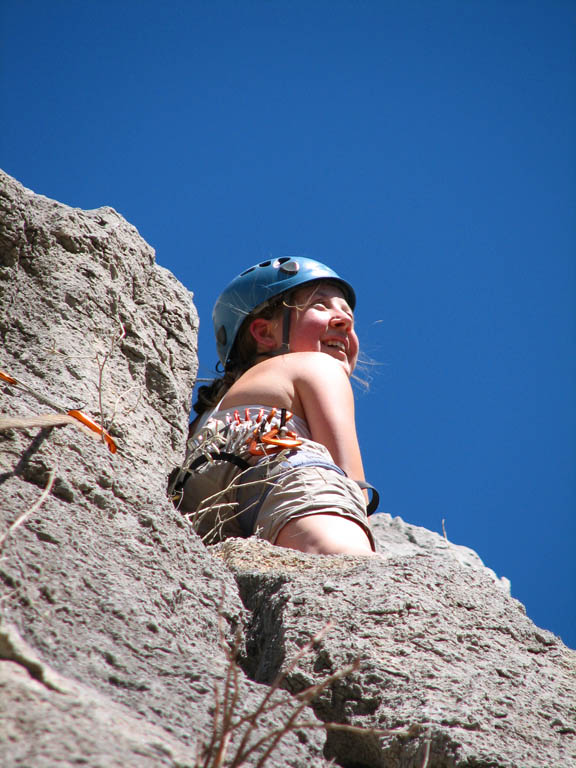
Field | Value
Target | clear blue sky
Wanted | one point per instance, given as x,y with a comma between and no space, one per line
426,150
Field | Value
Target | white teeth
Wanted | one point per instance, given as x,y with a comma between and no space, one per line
338,344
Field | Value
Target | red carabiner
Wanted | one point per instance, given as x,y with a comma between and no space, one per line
286,440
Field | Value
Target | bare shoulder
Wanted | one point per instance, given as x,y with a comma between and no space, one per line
319,379
312,363
285,381
298,365
270,382
305,365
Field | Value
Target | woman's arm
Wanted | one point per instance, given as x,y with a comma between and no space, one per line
324,395
323,389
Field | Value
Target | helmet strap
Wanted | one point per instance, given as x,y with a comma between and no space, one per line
284,347
286,316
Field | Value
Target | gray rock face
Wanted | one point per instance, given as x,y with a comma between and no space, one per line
117,623
105,587
395,537
450,666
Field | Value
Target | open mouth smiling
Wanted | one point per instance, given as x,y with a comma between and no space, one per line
340,345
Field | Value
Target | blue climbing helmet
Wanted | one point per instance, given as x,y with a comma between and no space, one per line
254,287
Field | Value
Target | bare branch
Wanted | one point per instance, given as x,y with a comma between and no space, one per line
121,397
101,363
25,515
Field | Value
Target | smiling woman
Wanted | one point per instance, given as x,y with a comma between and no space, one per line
324,322
273,451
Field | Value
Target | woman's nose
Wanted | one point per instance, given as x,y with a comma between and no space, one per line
341,321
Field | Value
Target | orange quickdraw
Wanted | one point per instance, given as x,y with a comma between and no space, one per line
75,414
7,378
95,428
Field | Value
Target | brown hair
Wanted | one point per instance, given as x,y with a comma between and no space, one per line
243,356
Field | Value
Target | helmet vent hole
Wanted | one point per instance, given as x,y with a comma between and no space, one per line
265,263
250,269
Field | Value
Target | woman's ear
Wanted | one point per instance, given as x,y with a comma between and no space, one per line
264,334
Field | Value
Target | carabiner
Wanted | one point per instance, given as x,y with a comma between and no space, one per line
276,438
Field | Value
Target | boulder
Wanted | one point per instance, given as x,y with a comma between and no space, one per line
124,641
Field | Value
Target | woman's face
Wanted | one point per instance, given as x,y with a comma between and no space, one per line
322,321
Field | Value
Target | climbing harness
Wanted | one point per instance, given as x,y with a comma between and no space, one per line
76,414
244,437
239,439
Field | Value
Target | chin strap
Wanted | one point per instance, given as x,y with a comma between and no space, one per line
286,316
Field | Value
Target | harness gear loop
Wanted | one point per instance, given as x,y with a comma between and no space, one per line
374,502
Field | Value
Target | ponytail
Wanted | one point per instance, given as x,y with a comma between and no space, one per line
243,356
210,394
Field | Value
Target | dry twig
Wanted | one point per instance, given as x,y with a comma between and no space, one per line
101,363
25,515
426,753
227,724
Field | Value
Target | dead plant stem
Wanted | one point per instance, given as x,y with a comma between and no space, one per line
101,363
37,504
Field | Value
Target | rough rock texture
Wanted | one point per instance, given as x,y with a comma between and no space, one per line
105,584
117,621
450,664
395,537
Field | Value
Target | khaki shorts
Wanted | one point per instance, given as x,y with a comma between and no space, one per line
224,501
